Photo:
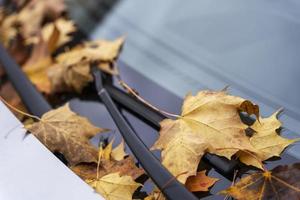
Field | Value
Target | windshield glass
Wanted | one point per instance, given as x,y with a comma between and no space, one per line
252,46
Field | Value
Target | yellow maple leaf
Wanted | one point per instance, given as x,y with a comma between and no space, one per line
266,140
100,51
209,122
115,187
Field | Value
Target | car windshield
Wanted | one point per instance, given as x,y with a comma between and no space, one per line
250,46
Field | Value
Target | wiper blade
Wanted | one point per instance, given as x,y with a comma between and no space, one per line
164,180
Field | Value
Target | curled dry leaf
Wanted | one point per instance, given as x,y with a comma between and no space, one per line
72,68
209,122
115,187
200,182
280,183
95,51
62,130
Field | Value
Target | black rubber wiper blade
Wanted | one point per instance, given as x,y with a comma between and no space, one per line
164,180
32,99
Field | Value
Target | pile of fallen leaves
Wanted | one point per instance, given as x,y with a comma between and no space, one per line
210,121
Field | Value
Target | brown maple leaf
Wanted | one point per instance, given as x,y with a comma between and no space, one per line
283,182
62,130
115,187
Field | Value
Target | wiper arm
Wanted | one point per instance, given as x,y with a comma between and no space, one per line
164,180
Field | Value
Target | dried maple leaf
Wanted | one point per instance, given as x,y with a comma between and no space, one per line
124,167
266,140
182,149
200,182
101,51
280,183
209,122
115,187
104,50
62,130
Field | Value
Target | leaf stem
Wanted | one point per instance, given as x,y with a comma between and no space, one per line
131,91
19,111
172,179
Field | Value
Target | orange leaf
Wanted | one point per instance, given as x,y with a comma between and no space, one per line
200,182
